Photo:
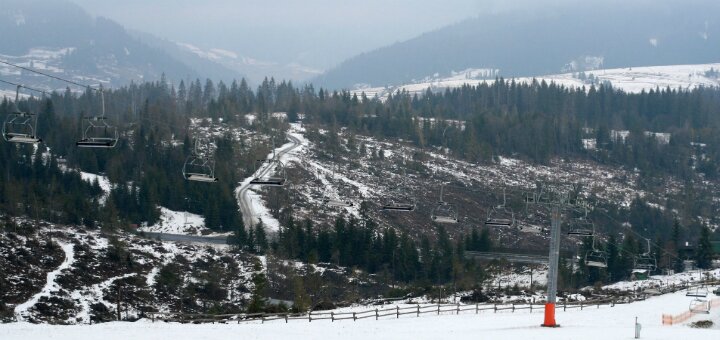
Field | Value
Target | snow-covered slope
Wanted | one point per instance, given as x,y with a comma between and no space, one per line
178,222
253,69
633,79
591,323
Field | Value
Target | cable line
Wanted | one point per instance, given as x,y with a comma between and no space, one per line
23,86
48,75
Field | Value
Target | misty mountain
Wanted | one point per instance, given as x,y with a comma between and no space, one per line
545,42
61,38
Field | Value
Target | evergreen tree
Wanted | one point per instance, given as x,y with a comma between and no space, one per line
704,254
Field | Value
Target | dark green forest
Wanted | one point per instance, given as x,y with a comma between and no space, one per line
536,122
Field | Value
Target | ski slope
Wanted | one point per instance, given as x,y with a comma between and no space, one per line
252,205
591,323
631,80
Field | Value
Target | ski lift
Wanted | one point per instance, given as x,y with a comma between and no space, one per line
582,226
444,212
266,178
334,201
97,132
20,127
272,173
200,165
596,258
337,202
645,261
700,306
698,292
399,201
393,205
500,216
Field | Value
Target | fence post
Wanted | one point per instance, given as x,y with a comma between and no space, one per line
438,310
495,307
418,311
513,305
354,317
397,310
581,305
153,317
376,314
458,309
286,318
531,307
309,316
612,303
564,305
332,316
477,308
262,318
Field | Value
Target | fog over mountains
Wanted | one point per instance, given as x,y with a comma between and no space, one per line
546,41
529,40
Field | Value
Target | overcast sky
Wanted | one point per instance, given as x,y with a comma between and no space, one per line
316,33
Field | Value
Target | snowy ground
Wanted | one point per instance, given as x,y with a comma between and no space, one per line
178,222
591,323
632,79
103,181
50,285
657,281
253,206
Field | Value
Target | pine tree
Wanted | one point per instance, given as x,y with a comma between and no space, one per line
261,242
704,254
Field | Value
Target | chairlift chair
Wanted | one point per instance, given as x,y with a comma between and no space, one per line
333,200
698,292
200,165
444,212
700,306
399,202
596,258
337,203
581,227
19,126
393,205
500,216
97,132
645,261
272,174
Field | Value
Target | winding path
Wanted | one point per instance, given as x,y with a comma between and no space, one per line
249,216
21,310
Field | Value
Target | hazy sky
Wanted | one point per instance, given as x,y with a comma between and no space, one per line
318,33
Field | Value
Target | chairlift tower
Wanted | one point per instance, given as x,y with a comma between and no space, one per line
557,198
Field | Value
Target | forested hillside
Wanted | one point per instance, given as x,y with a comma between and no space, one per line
534,122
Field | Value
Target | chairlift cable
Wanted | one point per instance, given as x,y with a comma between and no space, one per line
48,75
23,86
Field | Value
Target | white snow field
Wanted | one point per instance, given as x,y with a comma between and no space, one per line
592,323
178,222
630,79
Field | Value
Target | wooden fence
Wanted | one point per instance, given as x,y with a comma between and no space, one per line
418,310
377,313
